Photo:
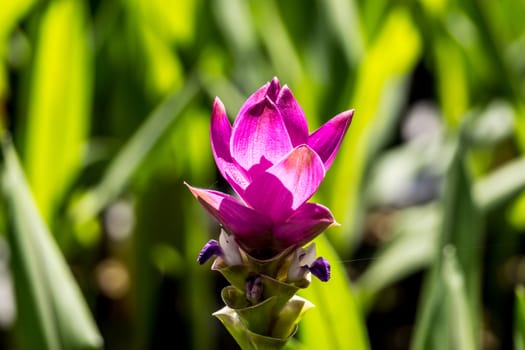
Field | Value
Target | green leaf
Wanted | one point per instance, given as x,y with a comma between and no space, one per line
452,82
462,228
244,337
460,321
519,319
336,321
52,313
380,90
12,12
415,233
344,18
500,186
277,41
290,315
133,154
59,103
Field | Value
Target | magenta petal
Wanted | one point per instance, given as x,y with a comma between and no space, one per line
220,134
293,116
220,131
235,175
304,225
286,185
301,172
273,89
243,222
268,195
259,136
270,88
327,139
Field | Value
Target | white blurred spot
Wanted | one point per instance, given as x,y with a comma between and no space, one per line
119,220
421,123
112,278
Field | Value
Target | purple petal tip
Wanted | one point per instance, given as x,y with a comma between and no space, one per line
320,268
273,89
210,249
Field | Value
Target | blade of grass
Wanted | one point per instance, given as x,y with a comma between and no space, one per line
277,40
415,237
519,319
237,23
127,161
460,320
462,227
345,20
52,313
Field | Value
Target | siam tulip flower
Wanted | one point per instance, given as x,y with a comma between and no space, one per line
275,166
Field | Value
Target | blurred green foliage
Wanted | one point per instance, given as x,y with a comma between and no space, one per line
107,103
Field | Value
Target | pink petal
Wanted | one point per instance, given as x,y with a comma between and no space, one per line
305,224
273,89
286,185
327,139
244,223
293,116
220,134
235,175
259,136
270,88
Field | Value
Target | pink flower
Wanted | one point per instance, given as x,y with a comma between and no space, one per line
275,166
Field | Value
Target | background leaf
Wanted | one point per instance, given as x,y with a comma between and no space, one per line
519,319
54,314
59,103
336,320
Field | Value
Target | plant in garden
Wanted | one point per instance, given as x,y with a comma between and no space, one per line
275,166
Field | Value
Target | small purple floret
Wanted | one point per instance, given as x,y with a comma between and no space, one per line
320,268
210,249
254,289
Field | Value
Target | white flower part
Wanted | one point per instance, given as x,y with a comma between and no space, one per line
302,259
230,249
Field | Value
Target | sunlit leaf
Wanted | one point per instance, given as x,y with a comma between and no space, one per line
519,318
336,321
11,13
461,325
500,186
380,91
452,85
59,103
52,313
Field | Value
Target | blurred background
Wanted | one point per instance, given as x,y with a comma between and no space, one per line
104,112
